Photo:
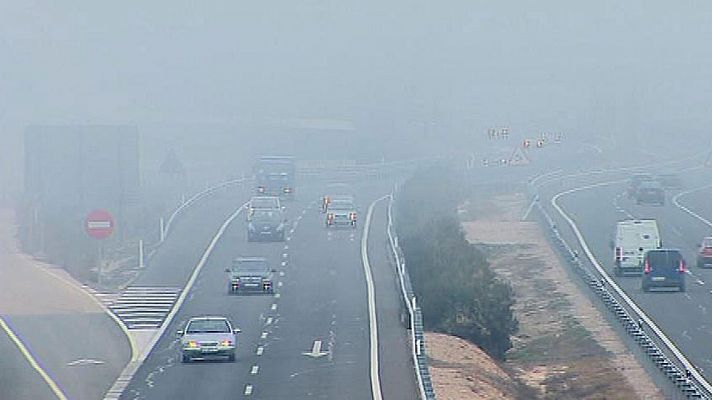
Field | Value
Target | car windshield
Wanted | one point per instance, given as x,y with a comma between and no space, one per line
208,326
264,215
279,177
664,259
264,202
251,265
341,205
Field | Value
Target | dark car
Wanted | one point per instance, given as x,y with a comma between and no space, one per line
704,254
635,182
266,225
650,192
663,268
250,274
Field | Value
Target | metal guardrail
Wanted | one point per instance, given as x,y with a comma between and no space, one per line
652,344
197,197
417,334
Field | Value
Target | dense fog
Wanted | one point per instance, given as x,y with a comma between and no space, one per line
417,72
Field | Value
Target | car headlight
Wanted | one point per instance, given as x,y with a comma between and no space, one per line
192,344
226,343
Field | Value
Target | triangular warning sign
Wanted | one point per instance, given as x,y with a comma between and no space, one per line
518,157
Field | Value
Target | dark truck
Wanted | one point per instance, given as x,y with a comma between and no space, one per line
274,176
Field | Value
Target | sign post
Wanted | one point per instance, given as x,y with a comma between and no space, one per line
99,225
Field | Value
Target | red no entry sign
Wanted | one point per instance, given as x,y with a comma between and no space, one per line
99,224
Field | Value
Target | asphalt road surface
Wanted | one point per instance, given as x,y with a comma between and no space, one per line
686,318
320,296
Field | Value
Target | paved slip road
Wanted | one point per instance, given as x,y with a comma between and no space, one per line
78,345
18,380
320,296
685,317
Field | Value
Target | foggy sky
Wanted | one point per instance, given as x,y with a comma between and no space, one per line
580,67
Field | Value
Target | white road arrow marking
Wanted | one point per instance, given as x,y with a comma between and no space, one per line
84,361
316,350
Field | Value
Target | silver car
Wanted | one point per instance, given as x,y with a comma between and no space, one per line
208,338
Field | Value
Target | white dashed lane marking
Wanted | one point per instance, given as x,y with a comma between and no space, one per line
260,350
248,390
255,369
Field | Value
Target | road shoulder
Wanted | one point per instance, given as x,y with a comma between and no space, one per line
66,330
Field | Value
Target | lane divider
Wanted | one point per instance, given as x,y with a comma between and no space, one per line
31,360
372,320
125,378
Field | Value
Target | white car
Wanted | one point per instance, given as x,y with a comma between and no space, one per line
208,337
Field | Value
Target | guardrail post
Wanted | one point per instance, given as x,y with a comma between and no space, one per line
161,226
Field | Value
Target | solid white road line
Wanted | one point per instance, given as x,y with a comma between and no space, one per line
127,374
31,360
687,210
621,293
372,320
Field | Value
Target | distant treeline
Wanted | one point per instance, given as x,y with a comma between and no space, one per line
458,292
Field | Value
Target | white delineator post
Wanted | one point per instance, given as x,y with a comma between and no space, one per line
140,254
162,229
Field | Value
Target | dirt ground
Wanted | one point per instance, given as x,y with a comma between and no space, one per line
29,287
564,348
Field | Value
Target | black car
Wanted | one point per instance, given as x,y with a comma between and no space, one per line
250,274
650,192
663,268
266,225
635,182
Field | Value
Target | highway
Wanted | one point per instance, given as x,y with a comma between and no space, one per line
686,318
321,296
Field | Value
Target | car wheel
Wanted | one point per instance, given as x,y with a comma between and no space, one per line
646,288
682,288
231,357
185,359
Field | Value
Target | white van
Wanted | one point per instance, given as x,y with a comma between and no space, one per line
633,239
